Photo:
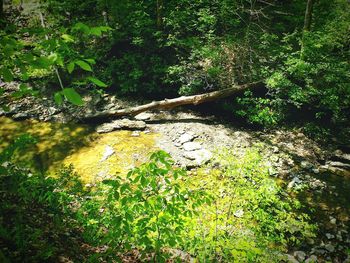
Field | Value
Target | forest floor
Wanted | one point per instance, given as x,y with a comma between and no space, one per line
321,174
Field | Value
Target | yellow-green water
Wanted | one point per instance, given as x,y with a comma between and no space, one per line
64,144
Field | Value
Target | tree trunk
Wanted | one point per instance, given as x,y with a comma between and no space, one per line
1,9
160,14
172,103
308,15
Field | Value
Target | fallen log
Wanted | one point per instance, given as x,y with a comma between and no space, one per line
167,104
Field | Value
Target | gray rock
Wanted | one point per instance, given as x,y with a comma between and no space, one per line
135,134
329,247
107,153
121,124
239,213
300,255
294,181
291,259
199,156
191,146
186,137
329,236
311,259
333,220
20,115
306,165
143,116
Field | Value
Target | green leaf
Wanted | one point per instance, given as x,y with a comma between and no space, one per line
72,96
97,82
70,67
90,61
67,38
7,75
58,98
85,66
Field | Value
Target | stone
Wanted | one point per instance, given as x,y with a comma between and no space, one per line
143,116
107,153
300,255
291,259
191,146
333,220
329,247
186,137
20,116
294,181
306,165
311,259
135,134
199,156
329,236
239,213
121,124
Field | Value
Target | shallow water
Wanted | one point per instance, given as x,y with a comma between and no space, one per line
94,156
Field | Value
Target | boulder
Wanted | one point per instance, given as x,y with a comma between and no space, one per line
124,124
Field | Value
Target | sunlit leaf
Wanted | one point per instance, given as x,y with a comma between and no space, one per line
70,67
58,98
73,97
97,82
82,64
6,74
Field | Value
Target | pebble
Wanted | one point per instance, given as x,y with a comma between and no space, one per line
311,259
329,247
329,236
135,134
186,137
300,255
191,146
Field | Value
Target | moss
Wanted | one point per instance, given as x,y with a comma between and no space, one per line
64,144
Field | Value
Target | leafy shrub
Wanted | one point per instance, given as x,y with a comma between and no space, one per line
147,210
251,219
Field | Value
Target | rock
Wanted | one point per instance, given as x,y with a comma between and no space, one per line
300,255
329,247
20,116
291,259
294,181
333,220
329,236
199,156
191,146
143,116
186,137
311,259
107,153
339,164
121,124
239,213
306,165
135,134
275,149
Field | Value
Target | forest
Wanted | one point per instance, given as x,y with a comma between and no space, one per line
175,131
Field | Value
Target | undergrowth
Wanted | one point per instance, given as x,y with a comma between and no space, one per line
228,212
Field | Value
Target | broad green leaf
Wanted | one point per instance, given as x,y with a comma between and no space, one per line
6,74
70,67
67,38
96,31
97,82
42,63
58,98
83,65
72,96
90,60
81,27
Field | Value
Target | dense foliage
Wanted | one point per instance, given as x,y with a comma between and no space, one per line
156,210
165,48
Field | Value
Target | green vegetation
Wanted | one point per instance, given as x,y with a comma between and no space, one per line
76,52
235,213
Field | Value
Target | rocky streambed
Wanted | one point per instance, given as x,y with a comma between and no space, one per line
318,176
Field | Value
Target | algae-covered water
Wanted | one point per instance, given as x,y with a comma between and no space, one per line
94,156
